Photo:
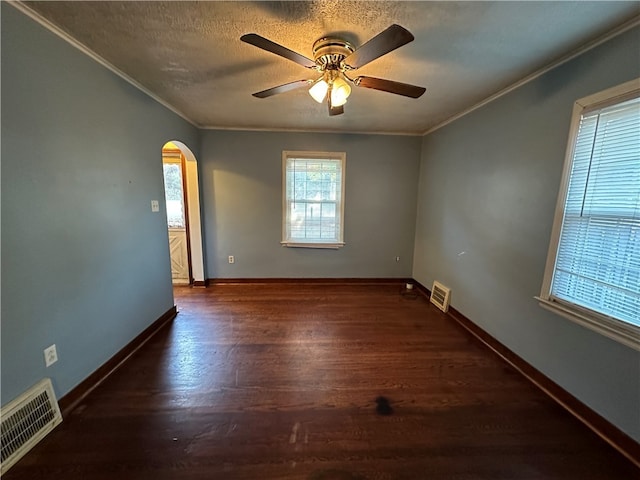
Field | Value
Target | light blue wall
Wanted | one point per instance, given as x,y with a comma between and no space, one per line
242,195
488,188
85,264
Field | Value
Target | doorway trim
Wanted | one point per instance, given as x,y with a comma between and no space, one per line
196,252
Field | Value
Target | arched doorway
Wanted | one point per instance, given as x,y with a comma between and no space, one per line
182,196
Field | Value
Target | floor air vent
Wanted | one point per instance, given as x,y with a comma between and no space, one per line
440,296
26,420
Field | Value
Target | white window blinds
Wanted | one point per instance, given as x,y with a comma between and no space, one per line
313,199
598,259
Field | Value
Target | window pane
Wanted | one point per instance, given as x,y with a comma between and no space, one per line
598,258
328,229
313,191
173,194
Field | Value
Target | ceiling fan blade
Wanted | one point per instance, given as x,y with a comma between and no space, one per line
282,88
393,37
266,44
390,86
333,111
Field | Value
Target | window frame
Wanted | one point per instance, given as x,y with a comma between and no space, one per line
619,330
292,242
175,158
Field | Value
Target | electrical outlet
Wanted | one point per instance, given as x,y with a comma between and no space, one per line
50,355
155,206
397,259
232,259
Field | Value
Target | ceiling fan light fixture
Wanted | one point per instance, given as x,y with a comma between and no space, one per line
340,91
319,90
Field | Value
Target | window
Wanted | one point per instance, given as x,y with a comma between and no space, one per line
593,268
313,199
174,197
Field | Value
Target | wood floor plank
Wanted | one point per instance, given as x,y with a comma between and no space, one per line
279,381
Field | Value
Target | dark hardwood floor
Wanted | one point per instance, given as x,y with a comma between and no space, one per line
280,381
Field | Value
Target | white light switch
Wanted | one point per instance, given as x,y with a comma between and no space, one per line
155,206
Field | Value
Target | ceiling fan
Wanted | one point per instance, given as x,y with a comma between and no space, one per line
334,58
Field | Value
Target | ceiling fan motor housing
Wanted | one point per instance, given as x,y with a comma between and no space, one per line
329,52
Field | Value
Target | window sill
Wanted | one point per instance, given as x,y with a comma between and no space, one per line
621,332
333,246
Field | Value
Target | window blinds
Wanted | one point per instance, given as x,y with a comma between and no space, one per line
598,259
313,200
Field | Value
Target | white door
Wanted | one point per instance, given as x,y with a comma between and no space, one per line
179,257
176,218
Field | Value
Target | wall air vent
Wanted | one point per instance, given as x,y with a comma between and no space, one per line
440,296
26,420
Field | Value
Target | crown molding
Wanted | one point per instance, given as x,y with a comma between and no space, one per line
301,130
17,4
628,25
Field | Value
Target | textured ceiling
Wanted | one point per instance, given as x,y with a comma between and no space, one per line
189,54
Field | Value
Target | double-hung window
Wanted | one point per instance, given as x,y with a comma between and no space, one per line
313,199
593,269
